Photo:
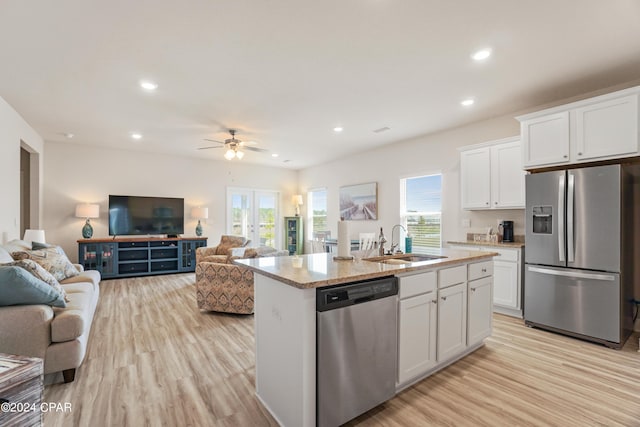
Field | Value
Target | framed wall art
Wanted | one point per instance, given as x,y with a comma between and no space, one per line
359,202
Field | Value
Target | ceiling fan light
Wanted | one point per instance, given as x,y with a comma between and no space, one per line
239,154
230,154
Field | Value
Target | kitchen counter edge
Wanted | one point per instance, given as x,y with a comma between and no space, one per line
355,270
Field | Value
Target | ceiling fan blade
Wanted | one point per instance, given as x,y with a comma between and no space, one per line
206,148
213,140
256,149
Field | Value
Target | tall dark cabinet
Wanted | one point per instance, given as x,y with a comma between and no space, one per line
293,235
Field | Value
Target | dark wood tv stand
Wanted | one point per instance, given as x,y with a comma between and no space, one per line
139,256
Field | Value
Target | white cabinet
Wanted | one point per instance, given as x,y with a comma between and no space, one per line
452,321
479,321
417,336
492,176
507,277
475,178
506,291
417,319
600,128
442,315
545,140
507,176
606,129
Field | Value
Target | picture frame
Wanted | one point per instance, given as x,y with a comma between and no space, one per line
359,202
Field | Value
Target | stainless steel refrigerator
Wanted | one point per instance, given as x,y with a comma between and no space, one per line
580,240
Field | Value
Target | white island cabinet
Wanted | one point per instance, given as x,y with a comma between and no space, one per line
285,321
507,277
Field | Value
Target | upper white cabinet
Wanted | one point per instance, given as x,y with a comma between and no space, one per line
600,128
492,176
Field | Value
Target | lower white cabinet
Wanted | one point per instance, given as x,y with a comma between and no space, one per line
507,277
479,321
442,315
505,288
417,336
452,321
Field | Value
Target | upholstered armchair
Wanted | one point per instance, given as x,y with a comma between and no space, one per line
228,287
223,252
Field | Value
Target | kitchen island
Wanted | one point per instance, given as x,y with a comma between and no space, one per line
444,313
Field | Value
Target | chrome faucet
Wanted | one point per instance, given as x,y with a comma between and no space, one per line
381,241
395,245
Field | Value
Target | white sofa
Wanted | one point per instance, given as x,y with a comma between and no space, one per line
57,335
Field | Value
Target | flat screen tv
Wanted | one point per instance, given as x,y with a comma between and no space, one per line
135,215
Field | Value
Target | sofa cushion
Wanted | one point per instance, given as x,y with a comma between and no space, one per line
20,287
88,276
73,321
5,256
39,272
52,260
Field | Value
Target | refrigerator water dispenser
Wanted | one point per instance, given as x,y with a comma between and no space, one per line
542,219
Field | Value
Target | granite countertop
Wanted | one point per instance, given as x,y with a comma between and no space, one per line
318,270
485,243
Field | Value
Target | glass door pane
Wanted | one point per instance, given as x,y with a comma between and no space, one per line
267,214
240,213
254,215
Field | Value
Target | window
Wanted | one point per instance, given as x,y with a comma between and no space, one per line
317,214
421,211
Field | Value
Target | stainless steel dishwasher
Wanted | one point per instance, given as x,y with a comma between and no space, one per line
357,348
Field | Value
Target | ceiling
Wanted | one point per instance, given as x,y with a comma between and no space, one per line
285,73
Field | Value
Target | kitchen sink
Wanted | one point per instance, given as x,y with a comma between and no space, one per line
403,259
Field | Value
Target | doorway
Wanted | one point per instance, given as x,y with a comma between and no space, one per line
254,214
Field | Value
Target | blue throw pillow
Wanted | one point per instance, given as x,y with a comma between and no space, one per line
19,287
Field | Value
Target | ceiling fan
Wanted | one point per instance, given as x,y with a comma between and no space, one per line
234,146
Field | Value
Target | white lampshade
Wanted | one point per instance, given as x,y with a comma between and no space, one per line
200,213
86,210
230,154
34,236
296,199
239,154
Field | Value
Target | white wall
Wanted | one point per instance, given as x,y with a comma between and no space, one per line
14,132
435,153
78,174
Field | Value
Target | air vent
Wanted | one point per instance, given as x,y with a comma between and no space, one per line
384,129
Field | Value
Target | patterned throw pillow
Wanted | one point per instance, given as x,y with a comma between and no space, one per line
52,260
39,272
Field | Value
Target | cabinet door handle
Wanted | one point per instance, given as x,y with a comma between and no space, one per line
444,298
565,156
484,270
579,154
487,203
435,301
473,289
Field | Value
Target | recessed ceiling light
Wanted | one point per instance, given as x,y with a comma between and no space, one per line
148,85
482,54
275,155
136,135
467,102
338,129
69,135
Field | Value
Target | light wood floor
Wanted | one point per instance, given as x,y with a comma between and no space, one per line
154,359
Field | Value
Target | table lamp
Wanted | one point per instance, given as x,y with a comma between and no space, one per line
199,213
86,210
297,200
34,236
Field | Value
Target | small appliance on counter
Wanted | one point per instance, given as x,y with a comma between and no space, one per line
507,230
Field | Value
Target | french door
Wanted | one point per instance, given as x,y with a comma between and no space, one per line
254,214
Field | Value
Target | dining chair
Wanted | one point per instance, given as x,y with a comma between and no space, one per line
367,241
